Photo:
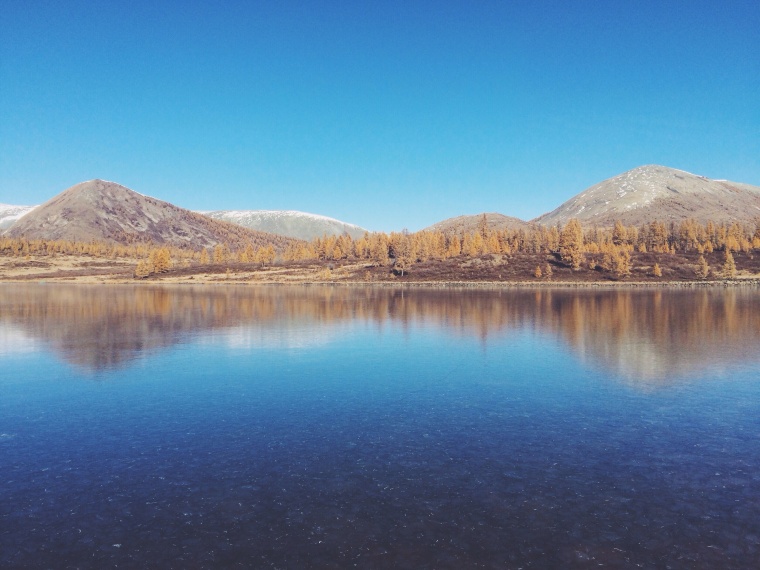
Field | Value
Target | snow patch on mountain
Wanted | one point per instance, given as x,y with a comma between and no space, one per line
275,215
10,214
290,223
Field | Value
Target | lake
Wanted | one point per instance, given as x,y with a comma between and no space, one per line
336,427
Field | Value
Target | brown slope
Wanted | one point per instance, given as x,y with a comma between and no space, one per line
471,223
105,211
654,192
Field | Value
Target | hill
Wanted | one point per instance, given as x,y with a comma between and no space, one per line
109,212
654,192
290,223
471,223
9,215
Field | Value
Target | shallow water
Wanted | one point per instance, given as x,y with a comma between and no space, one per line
206,427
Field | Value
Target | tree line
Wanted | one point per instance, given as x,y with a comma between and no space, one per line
607,248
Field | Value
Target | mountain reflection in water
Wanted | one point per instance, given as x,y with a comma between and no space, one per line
647,337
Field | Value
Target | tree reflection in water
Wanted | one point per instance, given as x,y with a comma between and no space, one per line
647,337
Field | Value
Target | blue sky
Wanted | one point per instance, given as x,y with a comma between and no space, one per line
385,114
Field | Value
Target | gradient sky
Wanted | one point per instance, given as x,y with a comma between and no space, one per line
385,114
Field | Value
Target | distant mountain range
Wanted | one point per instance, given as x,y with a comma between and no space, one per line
639,196
101,210
290,223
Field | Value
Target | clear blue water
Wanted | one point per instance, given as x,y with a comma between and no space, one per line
311,427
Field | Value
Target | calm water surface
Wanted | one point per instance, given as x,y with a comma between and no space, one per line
311,427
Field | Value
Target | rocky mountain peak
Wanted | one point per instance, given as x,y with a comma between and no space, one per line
654,192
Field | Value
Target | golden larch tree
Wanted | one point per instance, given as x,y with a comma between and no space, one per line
571,244
729,266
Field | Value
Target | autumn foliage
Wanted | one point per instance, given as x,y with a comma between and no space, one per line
609,250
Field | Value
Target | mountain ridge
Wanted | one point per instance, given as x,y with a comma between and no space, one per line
290,223
107,211
640,195
653,192
471,222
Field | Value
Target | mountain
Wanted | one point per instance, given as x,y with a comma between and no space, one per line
290,223
9,215
464,224
107,211
654,192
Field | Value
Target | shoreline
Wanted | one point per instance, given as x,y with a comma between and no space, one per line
91,280
479,273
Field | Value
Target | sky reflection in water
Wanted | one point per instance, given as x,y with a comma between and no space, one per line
327,427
